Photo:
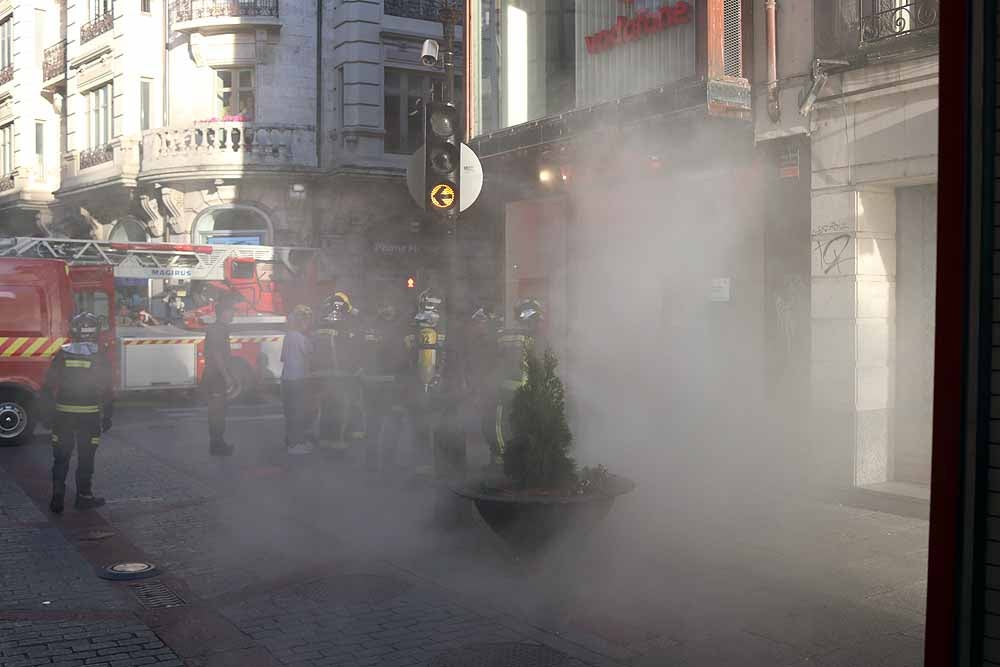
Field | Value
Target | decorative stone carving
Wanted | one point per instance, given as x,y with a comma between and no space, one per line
152,209
173,202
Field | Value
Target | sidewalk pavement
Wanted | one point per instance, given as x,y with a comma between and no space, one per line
313,561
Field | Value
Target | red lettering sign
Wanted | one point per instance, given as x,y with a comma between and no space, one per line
645,22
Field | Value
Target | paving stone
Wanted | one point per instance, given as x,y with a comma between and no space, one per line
21,647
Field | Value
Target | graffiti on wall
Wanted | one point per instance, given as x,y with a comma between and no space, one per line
834,253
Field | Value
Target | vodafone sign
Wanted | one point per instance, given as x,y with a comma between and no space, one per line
646,22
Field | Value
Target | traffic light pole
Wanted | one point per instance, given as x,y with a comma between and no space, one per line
449,16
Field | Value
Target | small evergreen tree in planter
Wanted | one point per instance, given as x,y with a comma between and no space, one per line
538,455
542,495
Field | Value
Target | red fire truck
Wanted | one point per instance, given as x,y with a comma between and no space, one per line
44,281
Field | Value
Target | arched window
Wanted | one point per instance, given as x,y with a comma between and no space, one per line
129,231
235,225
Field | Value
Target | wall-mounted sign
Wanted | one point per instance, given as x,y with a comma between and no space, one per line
646,22
719,290
788,163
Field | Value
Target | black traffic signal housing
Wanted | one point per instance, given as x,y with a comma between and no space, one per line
442,159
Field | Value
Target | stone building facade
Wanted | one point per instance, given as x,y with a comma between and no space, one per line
858,84
209,121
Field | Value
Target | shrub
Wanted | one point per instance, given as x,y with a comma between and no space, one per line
537,457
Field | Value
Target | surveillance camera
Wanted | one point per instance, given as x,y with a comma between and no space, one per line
429,53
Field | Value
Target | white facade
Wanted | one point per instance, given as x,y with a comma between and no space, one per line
189,120
873,133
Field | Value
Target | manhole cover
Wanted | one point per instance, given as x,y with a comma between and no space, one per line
154,595
353,589
503,655
128,570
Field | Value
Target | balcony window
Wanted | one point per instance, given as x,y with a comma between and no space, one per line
425,10
886,19
145,92
99,117
875,27
191,10
98,8
402,116
101,19
7,149
40,149
235,98
6,45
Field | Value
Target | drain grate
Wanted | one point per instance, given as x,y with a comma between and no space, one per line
504,655
154,595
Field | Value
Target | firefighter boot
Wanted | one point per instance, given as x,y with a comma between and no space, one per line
58,500
88,501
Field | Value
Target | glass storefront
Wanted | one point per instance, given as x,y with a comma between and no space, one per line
537,58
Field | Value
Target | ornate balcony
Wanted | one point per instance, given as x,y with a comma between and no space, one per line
881,21
54,62
98,26
425,10
193,14
96,156
6,74
871,30
227,148
7,182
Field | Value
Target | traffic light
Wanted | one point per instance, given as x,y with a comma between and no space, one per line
442,158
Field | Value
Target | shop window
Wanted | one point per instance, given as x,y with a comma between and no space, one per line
238,225
129,231
235,94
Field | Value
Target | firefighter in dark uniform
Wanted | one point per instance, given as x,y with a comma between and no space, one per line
509,373
79,384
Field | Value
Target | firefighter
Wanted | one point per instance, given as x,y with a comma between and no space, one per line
79,384
217,377
509,374
337,359
385,375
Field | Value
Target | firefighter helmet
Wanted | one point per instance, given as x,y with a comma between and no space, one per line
528,311
338,307
84,328
429,301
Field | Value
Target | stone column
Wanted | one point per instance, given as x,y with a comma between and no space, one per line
853,251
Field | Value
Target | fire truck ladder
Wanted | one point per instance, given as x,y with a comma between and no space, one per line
146,260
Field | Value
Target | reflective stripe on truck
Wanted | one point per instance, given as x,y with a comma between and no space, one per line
14,346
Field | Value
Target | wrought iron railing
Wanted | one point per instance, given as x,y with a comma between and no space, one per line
426,10
6,74
98,26
7,182
96,156
54,61
190,10
889,19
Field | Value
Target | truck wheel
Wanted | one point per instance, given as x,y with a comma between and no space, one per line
245,382
17,419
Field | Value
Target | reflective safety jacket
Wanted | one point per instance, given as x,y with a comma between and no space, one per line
79,380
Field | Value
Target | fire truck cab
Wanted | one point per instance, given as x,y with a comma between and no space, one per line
36,305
